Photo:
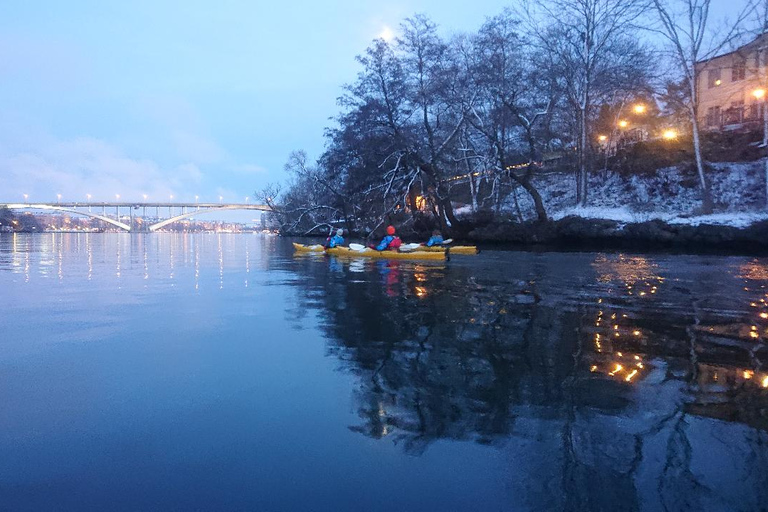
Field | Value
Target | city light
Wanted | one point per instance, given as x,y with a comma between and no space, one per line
758,93
669,134
639,108
623,124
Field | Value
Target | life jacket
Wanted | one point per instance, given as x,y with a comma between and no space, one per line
395,243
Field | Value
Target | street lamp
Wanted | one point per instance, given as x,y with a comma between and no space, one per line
145,197
246,199
88,197
639,108
26,196
117,197
196,198
221,198
602,138
669,134
623,124
171,197
58,198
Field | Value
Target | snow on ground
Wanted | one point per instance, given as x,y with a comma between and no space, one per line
670,194
735,219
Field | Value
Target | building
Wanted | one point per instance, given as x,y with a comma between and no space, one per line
732,87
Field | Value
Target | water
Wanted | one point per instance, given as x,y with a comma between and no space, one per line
221,372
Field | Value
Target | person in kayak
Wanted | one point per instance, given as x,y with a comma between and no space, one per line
391,241
435,239
335,240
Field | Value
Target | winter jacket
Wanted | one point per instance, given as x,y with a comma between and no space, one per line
435,240
335,241
389,242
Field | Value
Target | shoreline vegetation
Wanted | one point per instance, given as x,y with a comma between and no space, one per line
535,130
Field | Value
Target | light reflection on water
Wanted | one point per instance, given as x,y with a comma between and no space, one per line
177,370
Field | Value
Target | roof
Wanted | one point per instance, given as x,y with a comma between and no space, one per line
737,50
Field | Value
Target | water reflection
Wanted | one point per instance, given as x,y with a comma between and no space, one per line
603,381
621,356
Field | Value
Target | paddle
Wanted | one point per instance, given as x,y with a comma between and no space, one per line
357,247
448,241
409,247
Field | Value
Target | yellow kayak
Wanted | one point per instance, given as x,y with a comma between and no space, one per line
372,253
308,248
457,249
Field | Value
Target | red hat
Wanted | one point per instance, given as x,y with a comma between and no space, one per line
390,230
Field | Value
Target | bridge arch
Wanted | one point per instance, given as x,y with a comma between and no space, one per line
206,209
29,206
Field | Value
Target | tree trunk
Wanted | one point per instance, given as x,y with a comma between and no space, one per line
538,203
582,177
706,198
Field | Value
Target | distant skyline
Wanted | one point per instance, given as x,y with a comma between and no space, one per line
182,98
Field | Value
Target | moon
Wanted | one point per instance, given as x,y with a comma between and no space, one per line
387,34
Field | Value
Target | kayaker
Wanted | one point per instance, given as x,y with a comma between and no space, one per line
336,240
391,241
435,239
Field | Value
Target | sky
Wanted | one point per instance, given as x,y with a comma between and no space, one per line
181,98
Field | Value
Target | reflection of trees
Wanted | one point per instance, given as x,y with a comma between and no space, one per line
451,353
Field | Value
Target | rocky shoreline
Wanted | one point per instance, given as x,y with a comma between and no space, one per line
577,233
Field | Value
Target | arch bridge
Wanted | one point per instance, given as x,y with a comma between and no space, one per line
110,212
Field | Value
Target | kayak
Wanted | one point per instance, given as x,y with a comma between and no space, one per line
372,253
308,248
456,249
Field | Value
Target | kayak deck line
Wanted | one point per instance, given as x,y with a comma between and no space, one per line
458,249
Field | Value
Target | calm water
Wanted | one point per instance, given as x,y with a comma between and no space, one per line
221,372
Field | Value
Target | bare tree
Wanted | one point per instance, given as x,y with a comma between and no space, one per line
684,24
587,43
514,97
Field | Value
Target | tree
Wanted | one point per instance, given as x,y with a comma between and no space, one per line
588,44
684,24
513,97
312,202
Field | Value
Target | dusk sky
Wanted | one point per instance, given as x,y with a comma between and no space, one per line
184,98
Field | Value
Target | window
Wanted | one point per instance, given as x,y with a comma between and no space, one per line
734,114
713,116
739,70
754,111
713,78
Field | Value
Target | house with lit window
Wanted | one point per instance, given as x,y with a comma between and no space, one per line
732,87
